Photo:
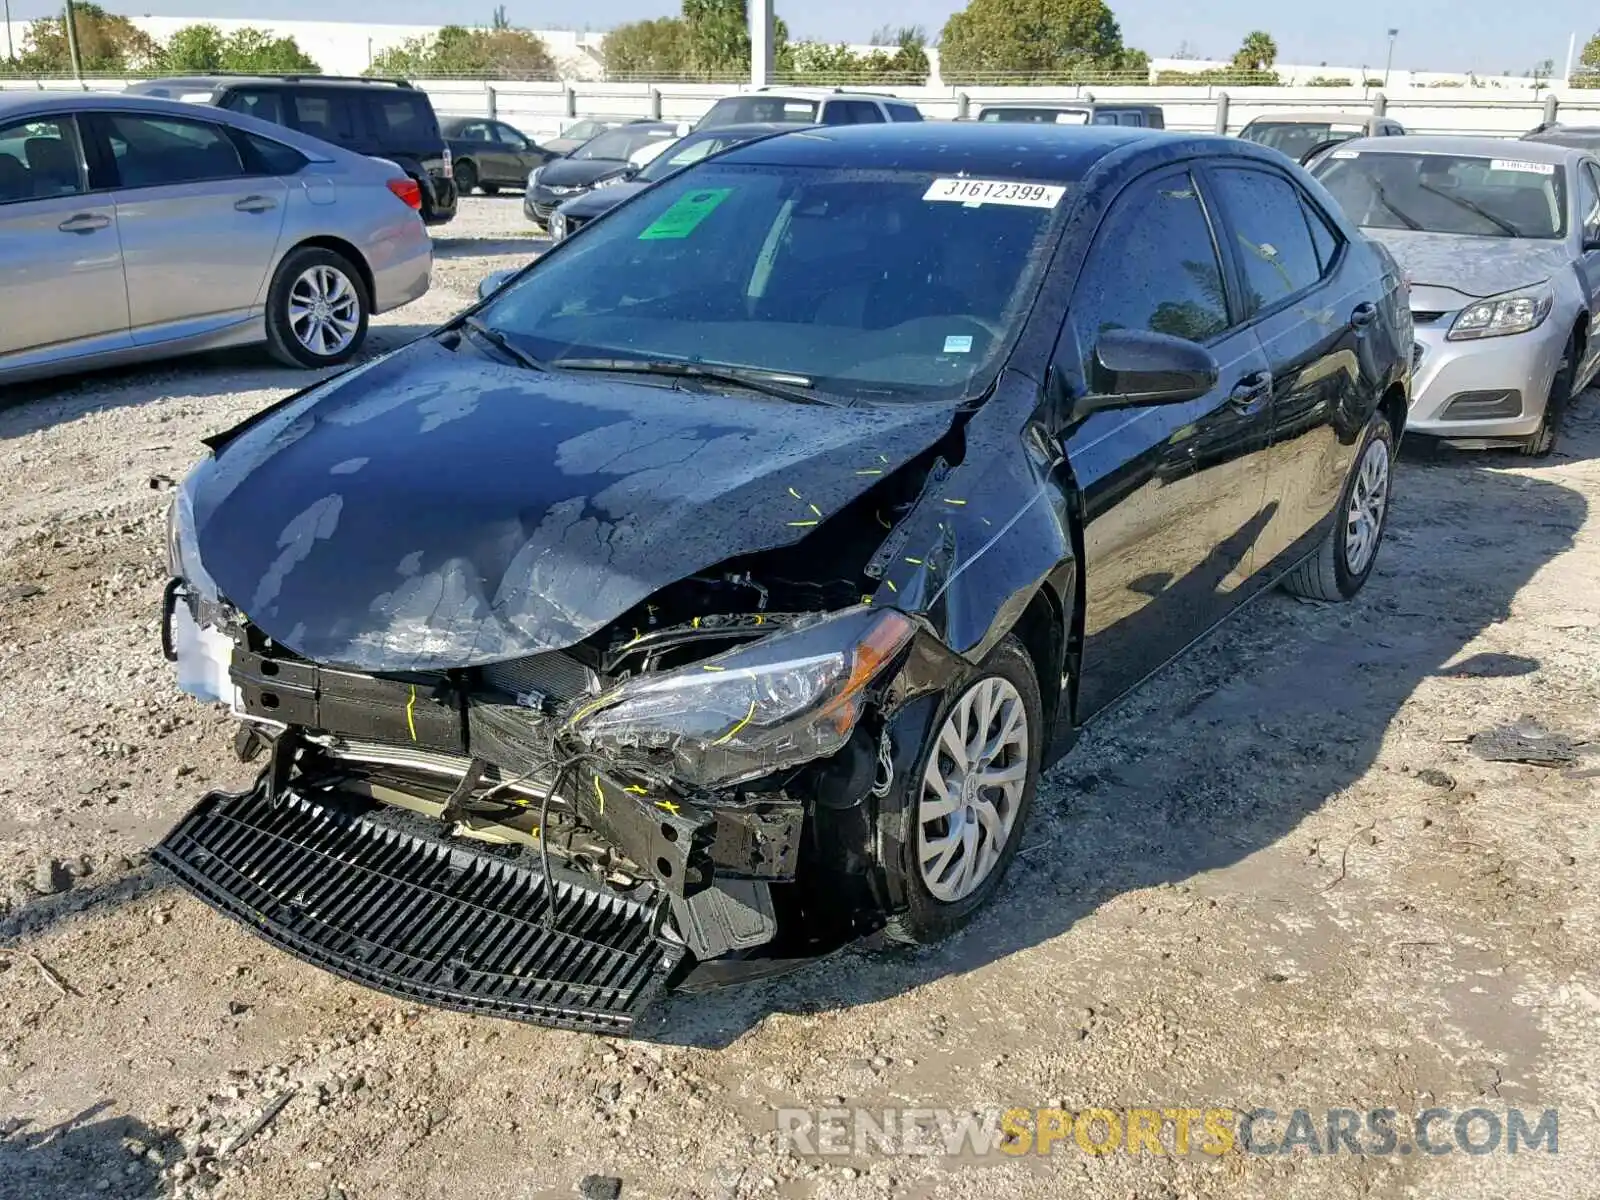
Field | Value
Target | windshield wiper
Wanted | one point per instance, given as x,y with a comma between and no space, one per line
503,344
1461,202
1383,199
783,386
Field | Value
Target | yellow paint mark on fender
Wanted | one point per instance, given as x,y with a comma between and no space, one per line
599,794
667,806
411,713
745,720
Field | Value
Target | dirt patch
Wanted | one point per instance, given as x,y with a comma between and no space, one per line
1278,878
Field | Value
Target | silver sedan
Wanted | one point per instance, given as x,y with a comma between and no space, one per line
133,228
1500,242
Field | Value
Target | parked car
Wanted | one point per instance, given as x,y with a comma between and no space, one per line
602,161
575,214
1086,112
808,106
1579,137
490,154
584,130
383,118
742,603
1501,243
1300,134
133,228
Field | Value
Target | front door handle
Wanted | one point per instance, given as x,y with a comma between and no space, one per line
1365,314
1250,393
84,223
256,204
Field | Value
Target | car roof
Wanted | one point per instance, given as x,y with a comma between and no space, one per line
211,82
816,93
27,103
1066,105
744,129
1476,147
1312,116
998,149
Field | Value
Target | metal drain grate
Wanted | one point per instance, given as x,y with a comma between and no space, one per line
419,918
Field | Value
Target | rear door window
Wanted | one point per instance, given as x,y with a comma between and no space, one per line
904,112
39,158
160,151
325,115
1271,240
851,112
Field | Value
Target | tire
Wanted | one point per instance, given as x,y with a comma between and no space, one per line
305,277
466,176
489,189
904,830
1331,574
1540,443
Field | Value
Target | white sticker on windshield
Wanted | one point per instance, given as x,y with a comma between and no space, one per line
1072,118
958,345
1532,168
1347,154
995,191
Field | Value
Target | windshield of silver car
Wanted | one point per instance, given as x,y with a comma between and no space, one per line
1448,193
890,284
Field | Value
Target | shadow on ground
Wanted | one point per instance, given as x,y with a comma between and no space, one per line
87,1156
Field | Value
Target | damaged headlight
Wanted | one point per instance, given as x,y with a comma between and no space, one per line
767,706
183,545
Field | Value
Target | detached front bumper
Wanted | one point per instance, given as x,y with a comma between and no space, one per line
1489,389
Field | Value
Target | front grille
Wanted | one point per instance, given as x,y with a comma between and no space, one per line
1482,406
553,675
1416,354
384,906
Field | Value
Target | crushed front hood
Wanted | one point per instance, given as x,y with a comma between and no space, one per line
1473,266
433,509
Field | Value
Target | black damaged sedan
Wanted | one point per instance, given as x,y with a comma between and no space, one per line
715,592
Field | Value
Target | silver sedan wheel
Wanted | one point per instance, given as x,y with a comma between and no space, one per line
324,310
972,789
1364,518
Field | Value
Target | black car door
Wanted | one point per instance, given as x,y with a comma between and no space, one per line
1173,494
521,155
1308,309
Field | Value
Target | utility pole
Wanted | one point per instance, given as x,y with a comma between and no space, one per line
1572,50
761,32
1389,62
11,53
72,43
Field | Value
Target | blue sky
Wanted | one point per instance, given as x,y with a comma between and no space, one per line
1440,35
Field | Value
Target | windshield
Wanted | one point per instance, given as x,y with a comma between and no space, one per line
690,150
870,284
619,143
1446,193
1043,116
1298,138
759,110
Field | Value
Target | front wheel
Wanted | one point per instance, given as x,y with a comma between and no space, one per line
317,309
1540,443
466,177
1341,564
962,813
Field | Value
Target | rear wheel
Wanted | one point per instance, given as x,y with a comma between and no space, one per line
1339,568
466,175
962,813
317,309
1540,443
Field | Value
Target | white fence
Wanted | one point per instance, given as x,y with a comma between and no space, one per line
542,109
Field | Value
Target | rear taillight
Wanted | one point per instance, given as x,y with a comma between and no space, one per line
449,164
409,190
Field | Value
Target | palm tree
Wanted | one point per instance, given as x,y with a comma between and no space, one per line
1257,52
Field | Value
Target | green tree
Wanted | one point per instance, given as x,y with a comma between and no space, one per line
1587,74
1257,52
474,53
194,49
247,50
1036,39
656,49
107,44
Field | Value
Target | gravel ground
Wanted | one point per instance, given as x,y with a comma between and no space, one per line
1279,878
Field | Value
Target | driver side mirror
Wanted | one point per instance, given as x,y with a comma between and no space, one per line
1135,368
493,283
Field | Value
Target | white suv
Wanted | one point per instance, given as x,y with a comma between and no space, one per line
808,106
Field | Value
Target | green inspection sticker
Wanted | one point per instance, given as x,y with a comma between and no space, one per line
685,215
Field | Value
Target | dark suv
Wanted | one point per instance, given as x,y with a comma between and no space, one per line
383,118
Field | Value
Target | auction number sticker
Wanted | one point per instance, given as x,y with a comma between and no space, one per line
1531,168
995,191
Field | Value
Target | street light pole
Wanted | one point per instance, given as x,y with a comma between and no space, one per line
1389,62
72,43
11,54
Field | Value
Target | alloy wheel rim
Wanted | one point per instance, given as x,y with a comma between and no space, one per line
971,789
324,310
1368,501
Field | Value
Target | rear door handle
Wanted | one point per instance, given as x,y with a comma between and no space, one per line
1251,392
1365,314
256,204
84,223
